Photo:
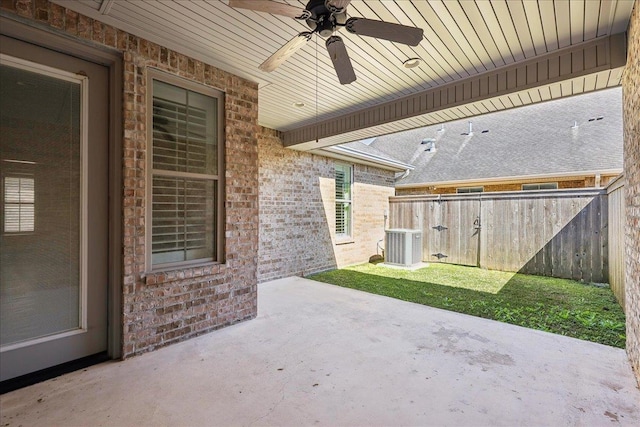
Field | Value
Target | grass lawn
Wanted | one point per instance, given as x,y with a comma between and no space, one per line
554,305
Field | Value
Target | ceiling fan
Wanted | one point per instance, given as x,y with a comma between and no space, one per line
325,17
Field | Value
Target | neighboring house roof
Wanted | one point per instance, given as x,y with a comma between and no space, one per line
363,153
535,140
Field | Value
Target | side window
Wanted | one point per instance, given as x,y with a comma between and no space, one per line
469,189
344,202
18,203
541,186
186,173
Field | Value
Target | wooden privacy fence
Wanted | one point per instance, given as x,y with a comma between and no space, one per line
615,194
559,233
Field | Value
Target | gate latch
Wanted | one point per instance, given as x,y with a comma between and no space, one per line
439,255
440,228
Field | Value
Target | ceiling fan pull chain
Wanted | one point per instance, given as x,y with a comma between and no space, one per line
316,88
325,18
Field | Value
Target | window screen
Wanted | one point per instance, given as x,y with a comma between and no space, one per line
185,183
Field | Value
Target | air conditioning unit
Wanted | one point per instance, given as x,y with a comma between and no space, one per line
403,247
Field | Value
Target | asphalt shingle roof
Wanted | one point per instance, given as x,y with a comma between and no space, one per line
531,140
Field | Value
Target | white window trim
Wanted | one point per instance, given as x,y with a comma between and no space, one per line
219,231
345,237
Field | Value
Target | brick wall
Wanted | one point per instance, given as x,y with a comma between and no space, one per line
631,117
372,188
294,237
162,308
574,183
297,211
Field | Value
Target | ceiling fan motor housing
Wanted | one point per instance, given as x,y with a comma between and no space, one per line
322,20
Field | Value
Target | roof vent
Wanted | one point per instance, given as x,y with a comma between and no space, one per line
441,128
600,118
430,143
470,130
485,131
575,125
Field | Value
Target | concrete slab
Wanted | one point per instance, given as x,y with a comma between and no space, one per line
323,355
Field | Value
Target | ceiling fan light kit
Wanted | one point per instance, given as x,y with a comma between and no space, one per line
325,18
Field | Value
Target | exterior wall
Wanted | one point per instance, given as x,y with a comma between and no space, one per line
587,182
297,211
294,237
371,191
631,117
162,308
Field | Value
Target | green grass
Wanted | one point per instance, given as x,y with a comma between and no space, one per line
560,306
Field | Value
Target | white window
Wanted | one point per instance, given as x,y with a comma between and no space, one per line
541,186
187,170
344,202
469,190
19,204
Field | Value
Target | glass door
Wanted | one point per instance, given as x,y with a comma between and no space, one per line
53,281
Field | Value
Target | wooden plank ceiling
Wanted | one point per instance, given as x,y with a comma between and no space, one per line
462,39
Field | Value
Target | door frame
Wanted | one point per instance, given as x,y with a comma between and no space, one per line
37,34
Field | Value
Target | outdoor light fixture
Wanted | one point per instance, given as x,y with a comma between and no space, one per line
411,62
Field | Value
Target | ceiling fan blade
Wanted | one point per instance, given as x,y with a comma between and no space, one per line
385,30
282,54
273,7
340,59
337,5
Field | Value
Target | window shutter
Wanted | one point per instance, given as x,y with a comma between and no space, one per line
19,201
343,178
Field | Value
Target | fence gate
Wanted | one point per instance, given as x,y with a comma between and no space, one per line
452,231
558,233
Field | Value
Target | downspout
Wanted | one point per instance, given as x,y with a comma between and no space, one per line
478,227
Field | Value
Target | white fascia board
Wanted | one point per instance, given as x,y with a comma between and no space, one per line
349,154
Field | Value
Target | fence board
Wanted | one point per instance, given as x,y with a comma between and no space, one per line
553,232
604,229
615,232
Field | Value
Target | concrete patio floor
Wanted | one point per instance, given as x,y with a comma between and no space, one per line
318,354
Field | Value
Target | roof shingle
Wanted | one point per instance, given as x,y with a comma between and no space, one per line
531,140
